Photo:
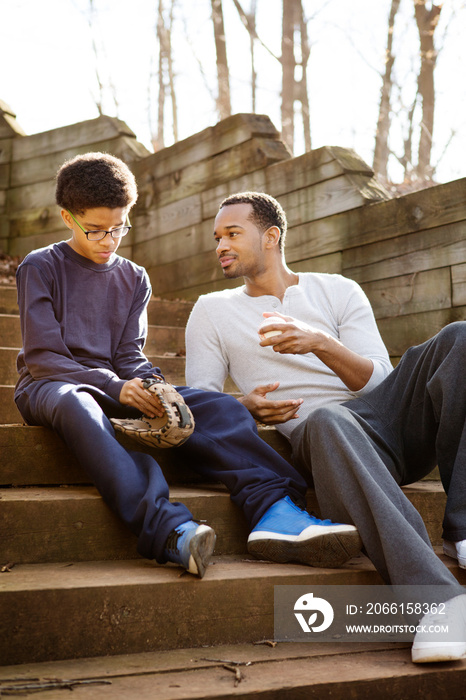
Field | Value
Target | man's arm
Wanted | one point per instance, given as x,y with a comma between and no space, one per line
299,338
207,368
206,365
355,351
357,355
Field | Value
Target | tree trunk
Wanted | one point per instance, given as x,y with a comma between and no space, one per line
252,21
303,91
381,151
171,76
427,21
166,78
288,71
223,76
91,21
159,140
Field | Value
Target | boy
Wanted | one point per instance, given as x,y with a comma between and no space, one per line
84,325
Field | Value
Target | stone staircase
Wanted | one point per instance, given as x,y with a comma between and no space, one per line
79,609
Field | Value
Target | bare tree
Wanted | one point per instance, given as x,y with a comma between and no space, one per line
293,89
223,76
252,20
288,60
302,85
92,22
427,21
382,151
159,141
166,80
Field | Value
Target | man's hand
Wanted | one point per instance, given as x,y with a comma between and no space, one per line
270,412
134,394
296,338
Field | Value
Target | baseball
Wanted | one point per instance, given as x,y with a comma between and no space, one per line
268,322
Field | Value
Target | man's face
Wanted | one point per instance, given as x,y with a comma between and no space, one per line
98,219
239,242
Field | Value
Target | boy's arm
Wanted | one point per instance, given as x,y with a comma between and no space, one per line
44,351
129,360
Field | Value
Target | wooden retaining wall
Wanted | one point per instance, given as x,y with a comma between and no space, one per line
29,217
408,253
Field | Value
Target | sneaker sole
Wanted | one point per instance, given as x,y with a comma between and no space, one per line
327,551
201,546
439,654
450,550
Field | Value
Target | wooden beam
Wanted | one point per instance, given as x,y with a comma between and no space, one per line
401,332
255,154
409,294
44,167
208,143
422,250
67,137
458,278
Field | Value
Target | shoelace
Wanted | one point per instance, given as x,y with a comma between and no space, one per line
172,541
318,520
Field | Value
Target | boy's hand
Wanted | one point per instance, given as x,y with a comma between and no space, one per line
270,412
134,394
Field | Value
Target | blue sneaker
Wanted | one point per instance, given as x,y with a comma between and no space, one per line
285,533
191,545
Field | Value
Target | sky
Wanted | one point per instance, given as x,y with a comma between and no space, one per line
48,72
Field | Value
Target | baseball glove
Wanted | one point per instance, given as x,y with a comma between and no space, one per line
172,429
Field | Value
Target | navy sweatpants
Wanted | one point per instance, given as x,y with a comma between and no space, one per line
362,451
225,446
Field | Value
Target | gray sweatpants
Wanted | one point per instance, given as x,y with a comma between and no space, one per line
361,452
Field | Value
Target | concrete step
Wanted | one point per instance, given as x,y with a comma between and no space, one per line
164,312
10,331
78,609
10,414
52,524
173,367
293,671
160,339
163,340
8,411
160,311
8,303
34,455
8,373
87,609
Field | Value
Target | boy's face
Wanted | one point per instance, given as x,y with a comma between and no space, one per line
98,219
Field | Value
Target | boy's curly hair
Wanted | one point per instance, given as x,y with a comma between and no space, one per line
266,211
95,180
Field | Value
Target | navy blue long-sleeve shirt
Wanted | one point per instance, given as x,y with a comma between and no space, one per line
82,322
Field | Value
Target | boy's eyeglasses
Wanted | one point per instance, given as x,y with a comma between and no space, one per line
99,235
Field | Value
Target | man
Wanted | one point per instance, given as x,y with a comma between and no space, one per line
84,325
323,378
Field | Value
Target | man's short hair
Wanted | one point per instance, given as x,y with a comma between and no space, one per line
95,180
266,211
